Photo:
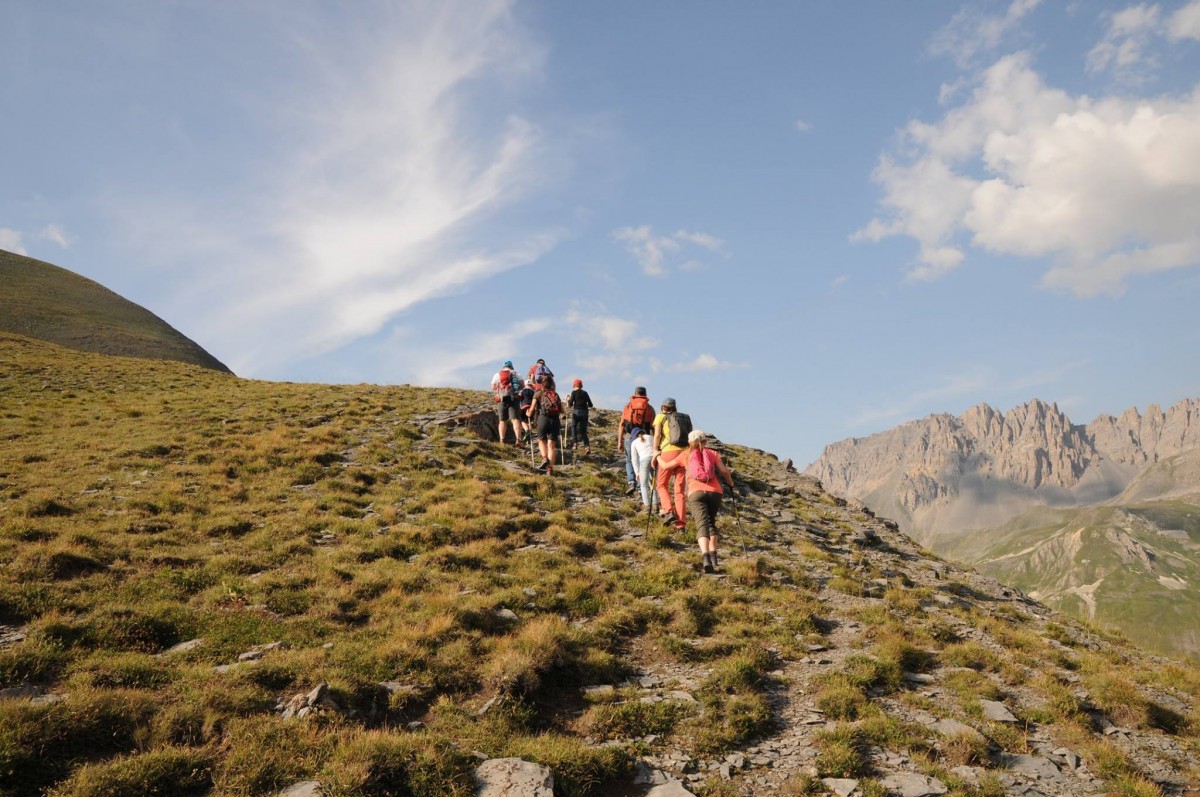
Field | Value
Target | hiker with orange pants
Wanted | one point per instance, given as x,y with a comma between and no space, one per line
703,469
671,428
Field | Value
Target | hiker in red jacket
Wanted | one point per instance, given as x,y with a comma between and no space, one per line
637,413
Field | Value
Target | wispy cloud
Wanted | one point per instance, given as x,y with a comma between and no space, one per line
462,363
12,240
369,206
56,235
803,126
1105,188
655,253
1126,47
974,32
924,401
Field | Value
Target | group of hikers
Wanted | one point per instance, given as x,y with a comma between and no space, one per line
666,459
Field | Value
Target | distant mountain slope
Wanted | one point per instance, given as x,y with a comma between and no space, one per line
43,301
1101,521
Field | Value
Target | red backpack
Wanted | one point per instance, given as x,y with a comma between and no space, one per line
550,403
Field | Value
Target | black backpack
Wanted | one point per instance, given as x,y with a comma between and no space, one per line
679,426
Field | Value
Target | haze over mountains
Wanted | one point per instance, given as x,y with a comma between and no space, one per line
1102,519
42,301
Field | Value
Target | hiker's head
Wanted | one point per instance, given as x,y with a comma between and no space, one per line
668,405
697,438
541,362
578,383
548,383
639,391
508,364
636,432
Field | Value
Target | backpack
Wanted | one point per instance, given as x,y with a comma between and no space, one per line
550,403
679,426
508,387
638,405
699,466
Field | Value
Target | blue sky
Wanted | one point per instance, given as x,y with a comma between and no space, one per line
804,221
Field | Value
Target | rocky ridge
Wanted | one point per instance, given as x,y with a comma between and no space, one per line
1000,463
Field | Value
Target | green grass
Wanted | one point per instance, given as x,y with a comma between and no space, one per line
143,504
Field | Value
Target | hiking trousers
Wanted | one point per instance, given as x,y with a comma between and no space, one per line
579,425
704,506
630,476
644,465
667,491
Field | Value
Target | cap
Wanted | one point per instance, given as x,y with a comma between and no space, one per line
695,435
639,391
669,402
541,362
578,383
636,431
508,364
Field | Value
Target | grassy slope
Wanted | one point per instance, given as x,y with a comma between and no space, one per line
144,504
43,301
1137,579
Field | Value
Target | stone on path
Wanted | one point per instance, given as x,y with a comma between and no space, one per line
997,712
672,789
842,787
305,788
20,692
1031,766
908,784
952,727
512,777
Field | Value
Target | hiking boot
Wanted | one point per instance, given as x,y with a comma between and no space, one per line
545,465
706,565
669,519
587,451
712,557
680,525
631,489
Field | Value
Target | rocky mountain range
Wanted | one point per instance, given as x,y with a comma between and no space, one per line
1100,520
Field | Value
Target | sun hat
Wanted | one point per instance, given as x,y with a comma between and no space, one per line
695,435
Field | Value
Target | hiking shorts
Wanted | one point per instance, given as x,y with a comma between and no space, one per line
509,411
703,506
548,427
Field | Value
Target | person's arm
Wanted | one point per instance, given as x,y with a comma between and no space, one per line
658,432
589,400
725,472
621,429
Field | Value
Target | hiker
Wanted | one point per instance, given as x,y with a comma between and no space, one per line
642,453
704,471
525,400
506,393
671,429
580,402
539,371
637,412
547,406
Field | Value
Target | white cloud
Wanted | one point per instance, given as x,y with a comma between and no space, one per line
705,362
653,251
1106,188
11,240
803,126
371,208
973,32
1126,47
55,234
1185,23
607,345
